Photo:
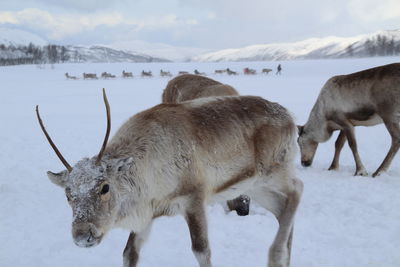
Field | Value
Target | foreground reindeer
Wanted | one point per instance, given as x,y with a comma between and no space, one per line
188,87
173,159
364,98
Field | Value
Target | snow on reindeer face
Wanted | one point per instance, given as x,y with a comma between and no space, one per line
92,194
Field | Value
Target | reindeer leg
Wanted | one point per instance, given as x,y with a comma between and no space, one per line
283,205
338,148
196,219
394,130
133,246
349,131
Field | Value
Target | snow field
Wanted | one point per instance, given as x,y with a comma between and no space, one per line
342,221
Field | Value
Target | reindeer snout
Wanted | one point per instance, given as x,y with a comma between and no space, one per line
85,235
306,163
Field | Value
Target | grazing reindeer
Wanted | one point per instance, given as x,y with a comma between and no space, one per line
146,74
69,77
364,98
127,74
89,76
173,159
266,71
165,73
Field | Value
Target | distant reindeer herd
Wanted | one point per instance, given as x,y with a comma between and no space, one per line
206,143
163,73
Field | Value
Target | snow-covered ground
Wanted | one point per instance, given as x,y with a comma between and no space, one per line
343,220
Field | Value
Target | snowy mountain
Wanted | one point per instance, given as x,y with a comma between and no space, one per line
174,53
22,47
377,44
99,54
17,37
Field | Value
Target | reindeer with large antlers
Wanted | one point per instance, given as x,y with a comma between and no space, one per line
174,159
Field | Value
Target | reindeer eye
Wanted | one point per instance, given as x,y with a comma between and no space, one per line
105,189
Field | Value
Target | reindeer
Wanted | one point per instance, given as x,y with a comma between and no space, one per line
146,74
89,76
364,98
219,71
165,73
249,71
266,71
231,72
69,77
188,87
199,73
174,159
127,74
106,75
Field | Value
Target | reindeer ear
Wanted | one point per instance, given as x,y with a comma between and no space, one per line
124,164
59,179
300,129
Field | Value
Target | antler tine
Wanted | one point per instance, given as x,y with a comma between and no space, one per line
108,128
60,156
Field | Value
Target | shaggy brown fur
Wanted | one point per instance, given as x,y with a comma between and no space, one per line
188,86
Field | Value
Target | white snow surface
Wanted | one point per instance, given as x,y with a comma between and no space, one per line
343,221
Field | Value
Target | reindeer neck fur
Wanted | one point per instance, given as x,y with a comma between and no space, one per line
317,126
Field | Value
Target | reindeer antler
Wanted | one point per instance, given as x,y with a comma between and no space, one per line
108,128
60,156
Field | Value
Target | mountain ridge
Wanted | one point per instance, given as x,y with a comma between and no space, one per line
312,48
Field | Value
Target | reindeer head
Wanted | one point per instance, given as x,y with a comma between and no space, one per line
91,189
307,145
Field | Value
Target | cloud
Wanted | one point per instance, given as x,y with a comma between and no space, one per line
66,25
371,10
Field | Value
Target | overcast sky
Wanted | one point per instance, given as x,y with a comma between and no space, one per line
211,24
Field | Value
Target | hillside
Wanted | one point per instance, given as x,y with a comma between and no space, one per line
22,47
382,43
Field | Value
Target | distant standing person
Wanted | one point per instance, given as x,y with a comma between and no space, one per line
279,69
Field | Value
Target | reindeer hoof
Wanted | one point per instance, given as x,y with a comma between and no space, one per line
377,173
241,205
361,173
333,168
